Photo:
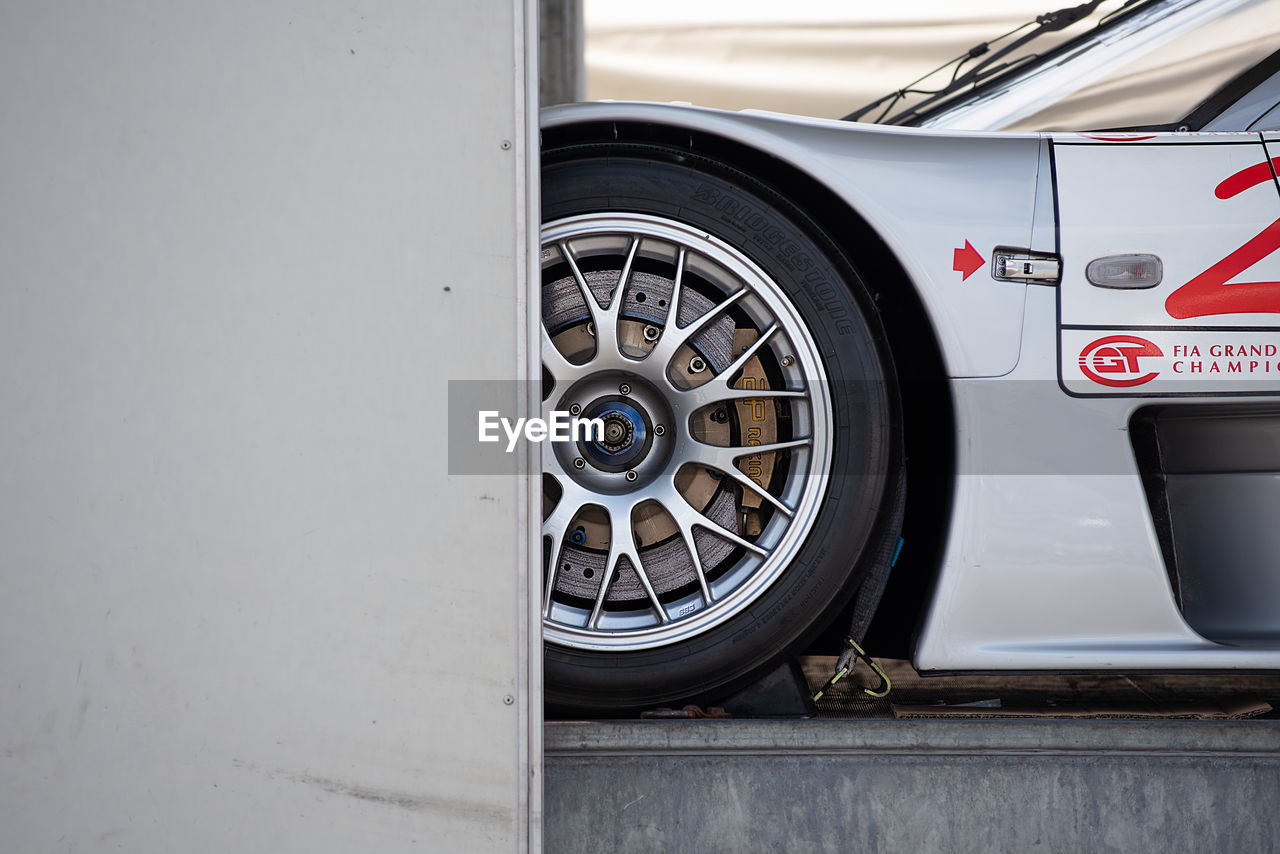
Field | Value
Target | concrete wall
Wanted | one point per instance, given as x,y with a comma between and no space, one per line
243,607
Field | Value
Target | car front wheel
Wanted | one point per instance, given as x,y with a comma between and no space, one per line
718,513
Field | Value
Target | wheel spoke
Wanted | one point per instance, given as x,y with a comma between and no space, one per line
721,456
607,340
739,363
561,369
615,301
722,459
721,531
593,307
622,544
686,534
551,463
677,289
747,482
604,320
674,337
688,517
556,526
553,573
717,391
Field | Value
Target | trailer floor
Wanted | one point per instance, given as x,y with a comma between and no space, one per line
1113,762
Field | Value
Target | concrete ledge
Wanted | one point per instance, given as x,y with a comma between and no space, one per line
1051,785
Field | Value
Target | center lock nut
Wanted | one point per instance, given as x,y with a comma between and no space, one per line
619,431
626,439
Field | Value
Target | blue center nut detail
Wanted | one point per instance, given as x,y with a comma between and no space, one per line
626,439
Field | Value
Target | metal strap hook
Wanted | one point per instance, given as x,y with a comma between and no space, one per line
848,659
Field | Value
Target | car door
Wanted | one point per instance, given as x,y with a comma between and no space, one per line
1170,269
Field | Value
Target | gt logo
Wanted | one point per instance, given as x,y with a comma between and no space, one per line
1209,293
1113,361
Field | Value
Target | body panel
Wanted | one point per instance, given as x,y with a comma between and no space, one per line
1206,206
1052,559
908,186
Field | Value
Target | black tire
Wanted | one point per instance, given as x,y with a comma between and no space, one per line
838,314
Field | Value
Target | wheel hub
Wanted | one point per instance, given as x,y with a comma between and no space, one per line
634,443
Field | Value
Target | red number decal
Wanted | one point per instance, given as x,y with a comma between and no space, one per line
1209,293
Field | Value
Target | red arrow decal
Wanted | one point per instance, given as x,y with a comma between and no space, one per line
967,261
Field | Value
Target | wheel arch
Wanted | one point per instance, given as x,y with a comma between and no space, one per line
910,339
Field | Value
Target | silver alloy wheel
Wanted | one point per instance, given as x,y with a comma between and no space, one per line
663,505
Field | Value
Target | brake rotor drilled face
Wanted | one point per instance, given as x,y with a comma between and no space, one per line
634,444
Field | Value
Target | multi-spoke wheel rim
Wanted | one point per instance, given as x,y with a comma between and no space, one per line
675,433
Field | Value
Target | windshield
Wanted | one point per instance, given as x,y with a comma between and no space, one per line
988,61
1152,64
1165,84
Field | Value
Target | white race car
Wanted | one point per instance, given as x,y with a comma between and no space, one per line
1043,370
